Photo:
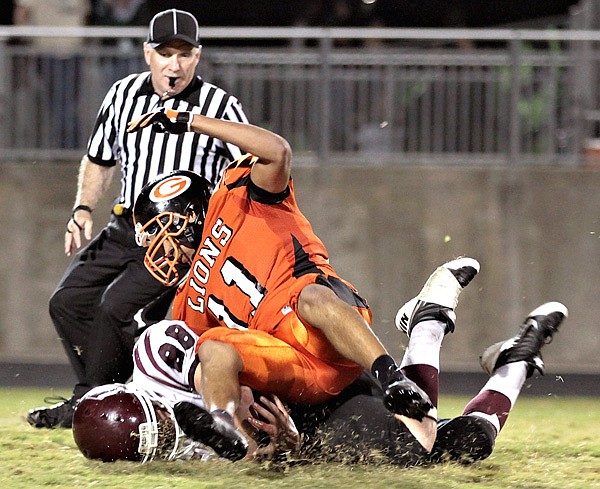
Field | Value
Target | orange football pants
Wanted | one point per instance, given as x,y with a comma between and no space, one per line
296,362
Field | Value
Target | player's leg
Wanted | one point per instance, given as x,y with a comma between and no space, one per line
221,367
217,380
280,364
283,364
509,363
361,429
167,365
326,306
426,319
512,361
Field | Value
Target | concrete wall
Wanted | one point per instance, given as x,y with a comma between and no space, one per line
535,231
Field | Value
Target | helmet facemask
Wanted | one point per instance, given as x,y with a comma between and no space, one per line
169,215
167,231
160,436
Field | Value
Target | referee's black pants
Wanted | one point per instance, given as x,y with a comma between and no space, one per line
94,305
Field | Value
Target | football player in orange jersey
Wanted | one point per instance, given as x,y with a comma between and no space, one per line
270,310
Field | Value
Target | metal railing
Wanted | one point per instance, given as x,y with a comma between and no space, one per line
511,97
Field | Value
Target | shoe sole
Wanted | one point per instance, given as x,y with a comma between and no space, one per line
35,421
462,270
464,439
549,308
460,265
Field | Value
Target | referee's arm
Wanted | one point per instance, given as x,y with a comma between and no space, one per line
92,183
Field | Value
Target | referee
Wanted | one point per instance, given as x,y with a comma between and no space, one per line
106,293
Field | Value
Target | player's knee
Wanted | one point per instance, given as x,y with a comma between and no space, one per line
315,297
224,355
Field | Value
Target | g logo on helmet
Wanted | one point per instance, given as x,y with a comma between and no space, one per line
169,188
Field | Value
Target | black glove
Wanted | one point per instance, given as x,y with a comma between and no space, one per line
165,120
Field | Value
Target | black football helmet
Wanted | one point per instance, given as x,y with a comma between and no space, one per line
171,208
122,422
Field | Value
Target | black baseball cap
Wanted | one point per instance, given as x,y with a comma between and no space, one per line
173,24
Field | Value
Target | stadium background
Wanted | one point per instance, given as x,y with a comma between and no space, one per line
535,231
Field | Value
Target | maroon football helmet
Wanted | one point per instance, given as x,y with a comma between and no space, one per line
121,422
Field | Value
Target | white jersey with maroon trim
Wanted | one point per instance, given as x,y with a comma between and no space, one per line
165,362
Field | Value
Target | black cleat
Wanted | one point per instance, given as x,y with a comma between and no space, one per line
59,415
439,296
402,396
215,429
537,330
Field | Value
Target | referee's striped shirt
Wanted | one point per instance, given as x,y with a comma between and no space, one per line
145,154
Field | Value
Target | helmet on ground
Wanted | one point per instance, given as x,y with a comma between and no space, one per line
121,422
171,209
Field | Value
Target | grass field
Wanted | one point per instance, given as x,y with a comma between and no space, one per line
547,443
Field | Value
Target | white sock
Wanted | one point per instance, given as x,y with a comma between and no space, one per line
424,344
508,380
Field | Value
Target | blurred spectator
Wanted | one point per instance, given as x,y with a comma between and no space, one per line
58,66
56,14
7,12
121,13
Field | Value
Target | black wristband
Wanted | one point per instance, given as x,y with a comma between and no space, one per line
82,208
185,118
76,224
86,208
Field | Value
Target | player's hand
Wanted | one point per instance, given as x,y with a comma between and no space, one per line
271,416
81,220
164,120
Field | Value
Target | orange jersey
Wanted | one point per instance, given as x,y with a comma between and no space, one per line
256,249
